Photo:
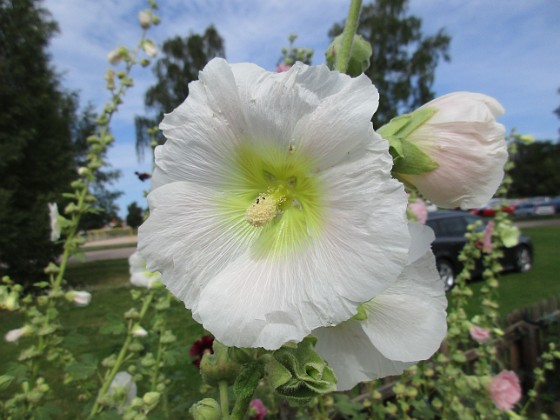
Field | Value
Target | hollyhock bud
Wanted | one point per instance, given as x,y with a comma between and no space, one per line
505,390
80,298
419,210
206,409
145,19
55,223
451,149
150,48
282,68
479,334
485,244
13,336
257,410
138,331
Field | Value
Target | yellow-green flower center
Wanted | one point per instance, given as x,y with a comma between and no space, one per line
274,196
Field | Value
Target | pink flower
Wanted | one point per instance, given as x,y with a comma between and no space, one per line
282,68
479,334
257,410
485,244
505,390
419,209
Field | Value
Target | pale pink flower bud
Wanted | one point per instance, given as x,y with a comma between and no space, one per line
80,298
138,331
468,145
479,334
13,336
485,244
257,410
145,19
505,390
282,68
150,48
419,209
115,56
55,223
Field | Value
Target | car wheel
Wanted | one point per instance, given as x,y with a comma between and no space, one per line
446,274
523,259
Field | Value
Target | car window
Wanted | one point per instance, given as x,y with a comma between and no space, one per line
453,226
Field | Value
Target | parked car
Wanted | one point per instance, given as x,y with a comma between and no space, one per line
538,206
450,228
489,210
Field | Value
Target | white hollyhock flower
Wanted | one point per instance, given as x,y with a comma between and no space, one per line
139,275
273,211
469,146
404,324
123,389
55,222
14,335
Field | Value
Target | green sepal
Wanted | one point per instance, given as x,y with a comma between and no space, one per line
413,161
408,158
361,315
359,55
219,366
300,374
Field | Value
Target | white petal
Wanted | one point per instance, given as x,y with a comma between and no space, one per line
407,322
352,356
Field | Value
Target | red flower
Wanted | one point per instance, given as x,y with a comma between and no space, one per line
200,347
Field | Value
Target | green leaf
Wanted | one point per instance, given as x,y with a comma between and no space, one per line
5,381
300,373
83,368
114,326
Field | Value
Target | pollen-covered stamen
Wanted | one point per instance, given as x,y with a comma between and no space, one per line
265,208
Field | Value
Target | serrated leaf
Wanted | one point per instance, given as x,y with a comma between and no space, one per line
115,326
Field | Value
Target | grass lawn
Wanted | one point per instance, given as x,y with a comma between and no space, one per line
108,281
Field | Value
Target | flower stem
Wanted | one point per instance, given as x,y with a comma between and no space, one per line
120,359
224,399
350,28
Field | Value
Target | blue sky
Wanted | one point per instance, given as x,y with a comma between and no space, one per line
509,49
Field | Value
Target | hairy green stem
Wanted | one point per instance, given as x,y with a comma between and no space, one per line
120,359
224,399
350,28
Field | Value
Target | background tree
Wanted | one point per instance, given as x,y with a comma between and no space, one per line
181,60
536,170
135,216
105,176
37,161
404,60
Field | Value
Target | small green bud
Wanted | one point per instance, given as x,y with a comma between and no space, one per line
151,398
206,409
219,366
360,55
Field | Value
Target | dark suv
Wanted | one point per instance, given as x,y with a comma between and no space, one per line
450,228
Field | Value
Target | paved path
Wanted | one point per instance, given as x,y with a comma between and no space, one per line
118,253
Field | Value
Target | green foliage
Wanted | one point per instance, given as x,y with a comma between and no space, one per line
105,198
291,54
35,139
403,61
536,170
181,60
135,216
